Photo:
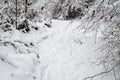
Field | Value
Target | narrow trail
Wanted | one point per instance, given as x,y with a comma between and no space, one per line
64,55
62,58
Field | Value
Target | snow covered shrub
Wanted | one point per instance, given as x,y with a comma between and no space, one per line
32,14
105,16
10,15
6,16
112,45
8,29
24,26
69,9
74,13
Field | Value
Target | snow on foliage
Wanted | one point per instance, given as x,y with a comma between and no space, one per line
82,44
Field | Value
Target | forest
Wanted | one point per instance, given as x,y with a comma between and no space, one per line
59,39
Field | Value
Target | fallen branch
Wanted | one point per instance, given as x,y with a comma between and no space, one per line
102,73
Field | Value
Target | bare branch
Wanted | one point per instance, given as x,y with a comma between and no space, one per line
99,74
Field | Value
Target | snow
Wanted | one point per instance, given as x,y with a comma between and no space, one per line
64,54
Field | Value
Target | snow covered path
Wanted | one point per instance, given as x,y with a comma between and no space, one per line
64,55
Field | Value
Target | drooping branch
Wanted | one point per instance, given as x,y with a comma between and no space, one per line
102,73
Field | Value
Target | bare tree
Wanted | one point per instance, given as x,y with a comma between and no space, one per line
26,2
105,17
16,11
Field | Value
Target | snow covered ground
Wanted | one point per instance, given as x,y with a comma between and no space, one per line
64,54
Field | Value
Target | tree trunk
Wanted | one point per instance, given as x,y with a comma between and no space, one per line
26,7
16,12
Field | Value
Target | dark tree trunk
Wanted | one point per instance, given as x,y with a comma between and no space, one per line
26,6
16,12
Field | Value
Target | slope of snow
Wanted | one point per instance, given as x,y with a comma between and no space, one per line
64,55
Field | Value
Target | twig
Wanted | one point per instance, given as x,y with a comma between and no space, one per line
6,61
105,72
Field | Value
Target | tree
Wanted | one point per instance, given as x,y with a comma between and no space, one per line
16,12
105,16
26,6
